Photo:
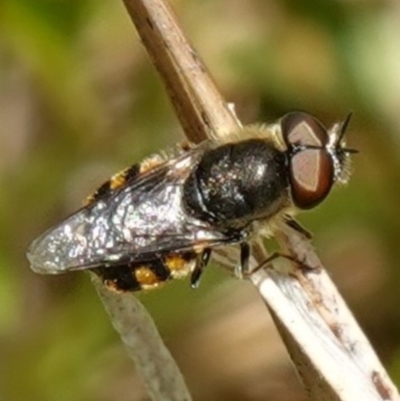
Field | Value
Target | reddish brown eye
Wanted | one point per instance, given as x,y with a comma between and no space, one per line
311,177
310,163
302,129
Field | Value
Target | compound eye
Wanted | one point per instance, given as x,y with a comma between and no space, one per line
311,177
311,165
301,129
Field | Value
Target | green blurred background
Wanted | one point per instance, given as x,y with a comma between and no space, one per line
79,100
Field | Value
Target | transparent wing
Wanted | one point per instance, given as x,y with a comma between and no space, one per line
144,218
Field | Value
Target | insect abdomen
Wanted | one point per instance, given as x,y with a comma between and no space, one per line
147,275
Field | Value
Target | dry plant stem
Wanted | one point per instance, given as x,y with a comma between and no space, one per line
154,362
359,373
197,102
330,352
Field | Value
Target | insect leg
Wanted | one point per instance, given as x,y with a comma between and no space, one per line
298,227
201,263
277,255
243,269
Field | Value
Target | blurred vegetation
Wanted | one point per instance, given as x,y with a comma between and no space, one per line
79,100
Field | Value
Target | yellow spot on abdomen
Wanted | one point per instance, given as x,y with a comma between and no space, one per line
146,277
175,262
179,266
117,180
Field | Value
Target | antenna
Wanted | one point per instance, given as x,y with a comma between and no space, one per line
342,130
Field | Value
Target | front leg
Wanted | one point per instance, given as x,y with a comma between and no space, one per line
276,255
295,225
243,269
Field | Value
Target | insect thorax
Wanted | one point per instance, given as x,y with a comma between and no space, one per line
238,182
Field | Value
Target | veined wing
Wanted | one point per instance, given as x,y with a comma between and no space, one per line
139,221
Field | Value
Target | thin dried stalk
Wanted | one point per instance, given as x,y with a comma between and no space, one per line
329,350
198,104
153,360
